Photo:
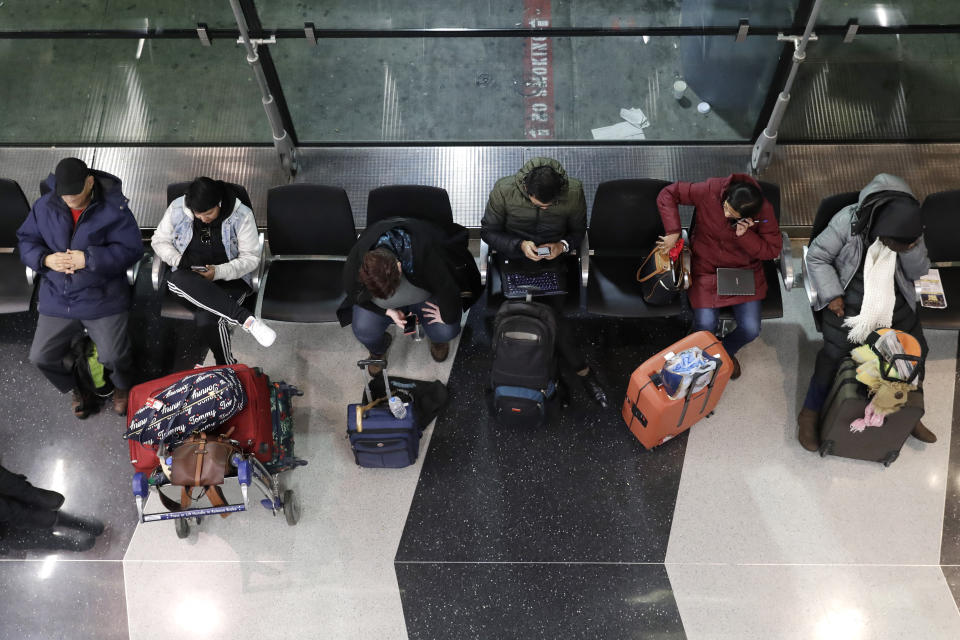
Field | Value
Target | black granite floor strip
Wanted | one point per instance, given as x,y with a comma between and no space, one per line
527,601
950,544
580,488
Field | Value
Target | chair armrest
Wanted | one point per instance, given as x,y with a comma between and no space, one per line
484,258
31,276
158,272
584,254
686,256
255,280
262,287
134,270
786,262
807,285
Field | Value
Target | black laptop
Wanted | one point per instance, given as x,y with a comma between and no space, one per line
735,282
518,280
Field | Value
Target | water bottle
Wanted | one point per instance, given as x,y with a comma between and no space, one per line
397,408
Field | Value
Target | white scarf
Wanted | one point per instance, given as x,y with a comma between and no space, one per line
879,293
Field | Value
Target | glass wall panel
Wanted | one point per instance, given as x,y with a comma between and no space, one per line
877,88
56,15
108,91
509,14
891,13
512,89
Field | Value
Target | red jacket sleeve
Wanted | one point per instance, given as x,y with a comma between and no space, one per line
672,196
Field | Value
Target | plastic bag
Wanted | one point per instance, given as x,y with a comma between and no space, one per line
687,372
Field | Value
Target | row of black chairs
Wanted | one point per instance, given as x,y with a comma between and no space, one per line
624,226
310,230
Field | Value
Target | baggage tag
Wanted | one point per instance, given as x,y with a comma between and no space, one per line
153,403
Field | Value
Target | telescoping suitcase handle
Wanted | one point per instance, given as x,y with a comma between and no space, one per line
363,364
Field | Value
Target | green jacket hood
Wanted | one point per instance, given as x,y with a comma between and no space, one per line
532,164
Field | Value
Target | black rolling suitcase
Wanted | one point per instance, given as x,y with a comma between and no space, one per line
846,402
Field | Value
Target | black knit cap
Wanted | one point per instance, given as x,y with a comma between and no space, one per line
71,174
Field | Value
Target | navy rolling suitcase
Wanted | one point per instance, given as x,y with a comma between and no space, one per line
378,438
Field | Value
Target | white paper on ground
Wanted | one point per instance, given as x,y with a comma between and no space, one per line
635,116
619,131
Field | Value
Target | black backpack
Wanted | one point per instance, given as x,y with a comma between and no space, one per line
524,375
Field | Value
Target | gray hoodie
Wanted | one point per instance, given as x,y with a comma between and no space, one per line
835,255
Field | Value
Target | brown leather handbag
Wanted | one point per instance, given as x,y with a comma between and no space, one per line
201,462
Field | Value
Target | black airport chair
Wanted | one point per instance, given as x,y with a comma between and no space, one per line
170,304
624,228
409,201
310,232
17,283
941,222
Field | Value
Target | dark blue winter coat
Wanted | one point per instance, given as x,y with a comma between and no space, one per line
108,235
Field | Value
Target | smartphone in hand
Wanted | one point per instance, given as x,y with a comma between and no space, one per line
543,251
199,268
410,327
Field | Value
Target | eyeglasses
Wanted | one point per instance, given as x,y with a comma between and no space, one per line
205,235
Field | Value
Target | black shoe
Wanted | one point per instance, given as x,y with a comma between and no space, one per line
88,525
16,486
49,540
593,388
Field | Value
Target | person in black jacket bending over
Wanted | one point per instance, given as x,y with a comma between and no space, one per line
541,208
401,267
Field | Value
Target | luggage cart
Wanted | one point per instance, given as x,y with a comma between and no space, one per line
250,471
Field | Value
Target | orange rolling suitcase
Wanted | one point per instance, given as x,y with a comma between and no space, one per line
650,413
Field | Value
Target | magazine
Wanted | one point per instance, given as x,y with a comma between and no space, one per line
931,291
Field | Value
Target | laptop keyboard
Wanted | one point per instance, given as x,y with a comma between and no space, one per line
518,285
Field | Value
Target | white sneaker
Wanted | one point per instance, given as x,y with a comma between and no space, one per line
260,331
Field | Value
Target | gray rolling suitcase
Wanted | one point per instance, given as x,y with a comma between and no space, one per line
846,402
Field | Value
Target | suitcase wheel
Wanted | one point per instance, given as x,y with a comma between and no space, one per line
291,507
183,527
826,448
889,459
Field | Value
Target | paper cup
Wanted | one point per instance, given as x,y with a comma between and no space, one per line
679,88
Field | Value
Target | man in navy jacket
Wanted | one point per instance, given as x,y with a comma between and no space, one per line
80,238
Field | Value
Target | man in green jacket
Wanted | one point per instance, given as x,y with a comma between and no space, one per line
540,207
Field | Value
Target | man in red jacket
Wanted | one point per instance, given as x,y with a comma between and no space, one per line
735,228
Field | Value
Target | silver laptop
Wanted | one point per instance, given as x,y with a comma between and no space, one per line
735,282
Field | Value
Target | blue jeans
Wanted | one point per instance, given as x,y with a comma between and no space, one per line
747,315
369,327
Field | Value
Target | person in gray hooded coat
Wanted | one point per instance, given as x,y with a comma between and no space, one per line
863,267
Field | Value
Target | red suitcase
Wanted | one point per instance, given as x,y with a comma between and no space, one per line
252,427
650,413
